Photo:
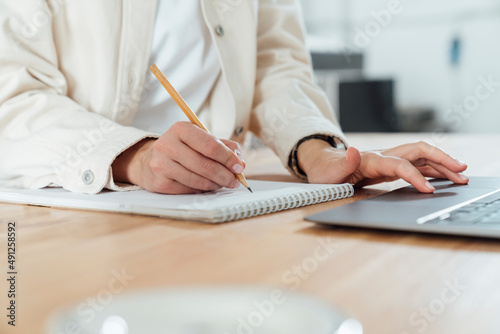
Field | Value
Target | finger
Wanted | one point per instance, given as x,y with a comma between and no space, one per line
392,166
202,166
437,155
192,180
207,145
172,187
428,171
427,151
350,165
232,145
455,177
235,147
352,160
160,166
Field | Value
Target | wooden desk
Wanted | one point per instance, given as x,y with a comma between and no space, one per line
384,279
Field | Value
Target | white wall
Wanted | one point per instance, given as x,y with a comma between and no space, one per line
413,46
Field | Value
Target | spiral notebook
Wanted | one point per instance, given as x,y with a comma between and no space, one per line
212,207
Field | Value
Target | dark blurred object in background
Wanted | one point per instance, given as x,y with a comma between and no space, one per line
367,106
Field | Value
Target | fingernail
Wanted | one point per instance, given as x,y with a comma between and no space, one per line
238,168
429,186
463,177
347,155
461,163
235,185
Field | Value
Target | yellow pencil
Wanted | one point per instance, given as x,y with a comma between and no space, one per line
189,113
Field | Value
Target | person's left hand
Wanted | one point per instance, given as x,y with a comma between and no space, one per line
410,162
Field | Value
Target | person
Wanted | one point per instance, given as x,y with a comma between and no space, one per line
78,109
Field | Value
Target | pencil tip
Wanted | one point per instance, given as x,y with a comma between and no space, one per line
250,189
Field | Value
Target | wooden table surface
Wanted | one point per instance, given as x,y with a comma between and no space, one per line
392,282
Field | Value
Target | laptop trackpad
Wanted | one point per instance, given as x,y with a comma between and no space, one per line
405,204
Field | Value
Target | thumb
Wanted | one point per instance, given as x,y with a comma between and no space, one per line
352,161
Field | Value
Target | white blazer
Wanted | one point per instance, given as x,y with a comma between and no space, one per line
72,74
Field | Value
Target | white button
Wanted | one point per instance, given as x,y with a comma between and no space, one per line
219,30
238,131
88,177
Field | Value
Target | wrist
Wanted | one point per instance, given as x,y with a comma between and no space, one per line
127,166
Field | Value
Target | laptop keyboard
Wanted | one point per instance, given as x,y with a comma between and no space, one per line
485,211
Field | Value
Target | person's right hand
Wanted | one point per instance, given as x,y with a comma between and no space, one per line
185,159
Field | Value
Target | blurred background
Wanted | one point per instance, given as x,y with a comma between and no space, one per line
394,66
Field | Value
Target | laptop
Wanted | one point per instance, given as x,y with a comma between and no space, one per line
468,210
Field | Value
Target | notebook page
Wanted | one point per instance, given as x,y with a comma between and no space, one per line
221,205
262,191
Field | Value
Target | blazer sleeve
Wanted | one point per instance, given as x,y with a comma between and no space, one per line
288,105
46,138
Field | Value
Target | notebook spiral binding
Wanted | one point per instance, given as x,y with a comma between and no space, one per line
283,203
